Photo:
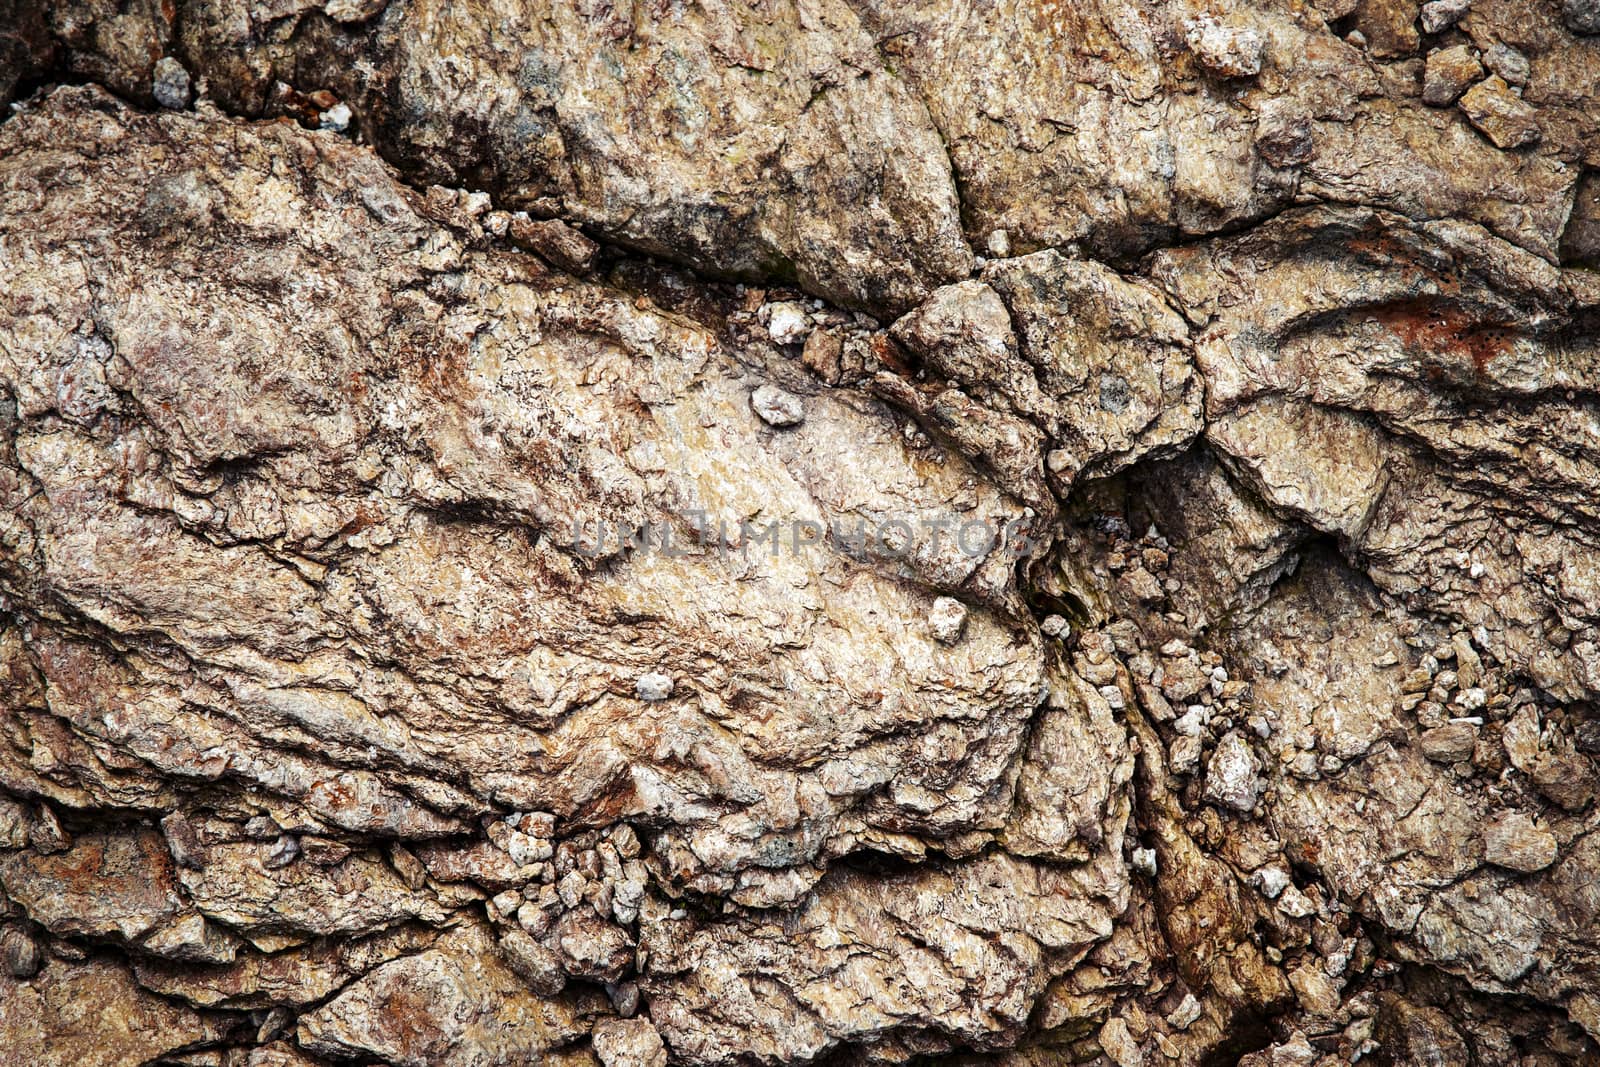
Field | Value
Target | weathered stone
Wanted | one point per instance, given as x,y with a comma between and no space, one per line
486,634
1440,15
1449,73
1449,743
454,1004
1581,16
1512,840
1501,115
555,241
171,84
1232,775
629,1043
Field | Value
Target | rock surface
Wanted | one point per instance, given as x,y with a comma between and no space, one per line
791,533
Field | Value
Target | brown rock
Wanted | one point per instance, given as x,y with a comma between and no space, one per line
1500,114
1448,74
1450,743
454,1004
556,242
1513,840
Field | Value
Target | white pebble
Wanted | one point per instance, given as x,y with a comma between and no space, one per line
787,323
653,687
336,118
776,407
948,620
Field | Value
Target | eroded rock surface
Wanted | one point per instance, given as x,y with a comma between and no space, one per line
799,532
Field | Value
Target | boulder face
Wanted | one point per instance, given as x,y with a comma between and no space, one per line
799,532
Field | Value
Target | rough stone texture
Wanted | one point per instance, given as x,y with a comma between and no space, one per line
431,627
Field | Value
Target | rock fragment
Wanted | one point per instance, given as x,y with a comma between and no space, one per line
1229,50
1581,16
777,407
1514,841
170,84
653,686
1500,115
1440,15
21,951
1449,72
629,1043
1233,775
1510,64
1449,743
787,322
947,620
554,241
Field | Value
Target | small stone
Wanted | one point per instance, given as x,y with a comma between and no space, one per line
1297,1051
1184,755
572,887
1449,743
1118,1044
534,963
1232,777
1186,1014
1231,51
1418,681
1440,15
1473,699
261,828
183,842
823,354
21,952
1500,115
653,687
169,84
1469,665
1271,881
353,10
46,834
999,244
1581,16
505,904
1054,626
1144,861
624,998
284,851
626,841
1514,67
787,322
1191,723
948,620
1295,904
555,242
777,407
1313,989
628,1043
336,118
1513,841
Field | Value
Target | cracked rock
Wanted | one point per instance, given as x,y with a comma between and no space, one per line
1232,776
1513,840
1500,115
531,536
